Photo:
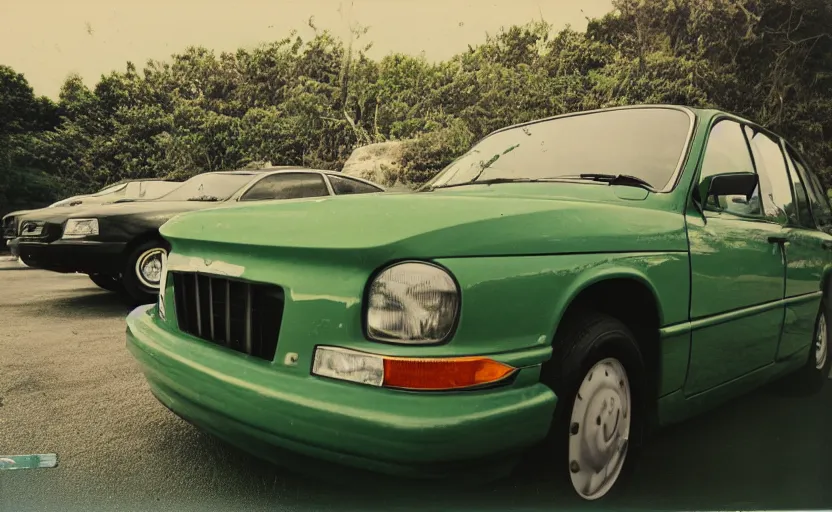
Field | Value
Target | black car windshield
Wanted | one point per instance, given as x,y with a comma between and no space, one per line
646,143
208,187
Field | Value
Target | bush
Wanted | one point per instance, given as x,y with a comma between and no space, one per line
426,155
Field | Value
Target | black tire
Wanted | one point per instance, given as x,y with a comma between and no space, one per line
138,288
109,283
590,341
810,379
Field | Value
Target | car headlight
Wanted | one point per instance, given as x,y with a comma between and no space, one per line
412,303
77,228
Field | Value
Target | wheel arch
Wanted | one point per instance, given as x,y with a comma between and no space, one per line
589,283
640,311
826,282
146,236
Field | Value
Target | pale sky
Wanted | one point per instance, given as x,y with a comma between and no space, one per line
48,39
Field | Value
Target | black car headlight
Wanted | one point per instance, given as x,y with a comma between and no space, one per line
79,228
412,303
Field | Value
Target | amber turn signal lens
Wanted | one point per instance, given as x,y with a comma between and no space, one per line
443,373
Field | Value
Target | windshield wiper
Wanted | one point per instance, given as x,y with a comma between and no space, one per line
491,181
613,179
204,198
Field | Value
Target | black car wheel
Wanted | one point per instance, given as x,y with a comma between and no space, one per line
811,378
143,271
598,375
109,283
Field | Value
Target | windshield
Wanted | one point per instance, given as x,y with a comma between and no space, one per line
646,143
209,187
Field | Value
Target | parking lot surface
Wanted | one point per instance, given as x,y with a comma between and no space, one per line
69,386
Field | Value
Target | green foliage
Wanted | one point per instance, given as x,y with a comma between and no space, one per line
429,153
312,102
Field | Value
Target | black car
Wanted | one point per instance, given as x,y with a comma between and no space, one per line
125,190
119,246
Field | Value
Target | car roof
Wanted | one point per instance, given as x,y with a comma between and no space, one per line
143,179
262,170
703,113
276,169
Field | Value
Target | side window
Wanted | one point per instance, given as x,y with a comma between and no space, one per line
287,186
727,151
799,186
818,201
775,184
344,186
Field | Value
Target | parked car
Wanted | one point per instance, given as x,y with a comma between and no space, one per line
119,245
580,279
127,190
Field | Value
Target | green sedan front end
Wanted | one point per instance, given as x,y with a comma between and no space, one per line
268,346
258,404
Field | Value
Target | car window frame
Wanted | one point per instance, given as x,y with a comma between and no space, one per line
238,196
793,154
698,175
790,167
779,140
722,116
675,178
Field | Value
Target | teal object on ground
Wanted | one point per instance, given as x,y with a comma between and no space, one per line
43,460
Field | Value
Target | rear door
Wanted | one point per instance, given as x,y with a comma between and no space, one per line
807,255
737,272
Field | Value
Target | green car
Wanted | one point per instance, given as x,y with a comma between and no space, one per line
578,280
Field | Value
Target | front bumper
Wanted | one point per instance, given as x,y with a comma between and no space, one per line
267,408
84,256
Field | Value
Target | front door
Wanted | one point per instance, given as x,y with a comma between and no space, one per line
737,273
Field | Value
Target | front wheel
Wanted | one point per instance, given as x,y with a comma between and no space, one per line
143,271
600,426
598,376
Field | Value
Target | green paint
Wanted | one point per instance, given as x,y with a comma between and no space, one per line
734,311
43,460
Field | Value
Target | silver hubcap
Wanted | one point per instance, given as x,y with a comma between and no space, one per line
149,267
599,429
821,344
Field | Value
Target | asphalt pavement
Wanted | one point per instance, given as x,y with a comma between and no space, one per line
68,386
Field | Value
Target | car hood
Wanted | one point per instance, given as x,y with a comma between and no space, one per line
150,208
468,221
17,213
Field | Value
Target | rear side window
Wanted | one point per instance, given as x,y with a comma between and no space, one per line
818,201
344,186
287,186
804,214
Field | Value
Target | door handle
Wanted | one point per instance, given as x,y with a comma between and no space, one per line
826,244
779,240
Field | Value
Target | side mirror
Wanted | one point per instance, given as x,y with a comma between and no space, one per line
729,184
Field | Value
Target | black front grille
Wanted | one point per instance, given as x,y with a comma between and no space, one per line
240,315
39,231
10,227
